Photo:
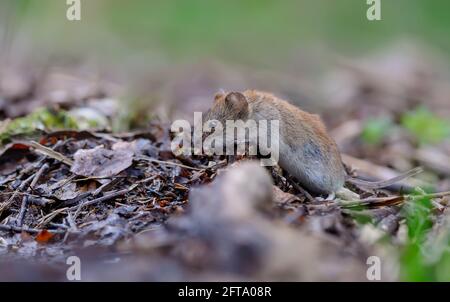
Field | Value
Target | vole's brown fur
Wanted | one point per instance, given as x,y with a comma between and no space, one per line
306,150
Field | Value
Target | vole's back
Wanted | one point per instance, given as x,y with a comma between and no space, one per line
306,150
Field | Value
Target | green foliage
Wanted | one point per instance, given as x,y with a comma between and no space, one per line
417,219
413,265
426,126
358,214
40,119
253,31
424,257
443,267
375,130
236,28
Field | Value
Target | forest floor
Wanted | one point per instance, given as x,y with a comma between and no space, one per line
73,185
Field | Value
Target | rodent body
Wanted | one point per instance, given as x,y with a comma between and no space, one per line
306,150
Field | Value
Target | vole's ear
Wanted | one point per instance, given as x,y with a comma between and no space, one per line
236,100
219,95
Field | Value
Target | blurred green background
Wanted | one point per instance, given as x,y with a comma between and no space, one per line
250,31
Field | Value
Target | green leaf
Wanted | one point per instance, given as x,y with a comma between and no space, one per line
426,126
40,119
375,130
414,266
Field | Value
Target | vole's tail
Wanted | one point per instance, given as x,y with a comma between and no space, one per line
385,183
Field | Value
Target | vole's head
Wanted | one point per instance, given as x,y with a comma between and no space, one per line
228,106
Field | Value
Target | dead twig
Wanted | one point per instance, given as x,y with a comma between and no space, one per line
300,189
105,186
46,219
23,207
146,158
103,198
389,201
432,195
373,202
38,175
10,228
9,202
49,152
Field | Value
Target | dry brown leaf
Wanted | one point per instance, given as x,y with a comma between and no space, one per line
101,162
283,197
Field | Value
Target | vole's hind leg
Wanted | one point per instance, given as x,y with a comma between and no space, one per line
330,197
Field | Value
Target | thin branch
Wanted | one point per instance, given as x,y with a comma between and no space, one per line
432,195
49,152
10,228
300,189
23,207
167,163
104,198
10,201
